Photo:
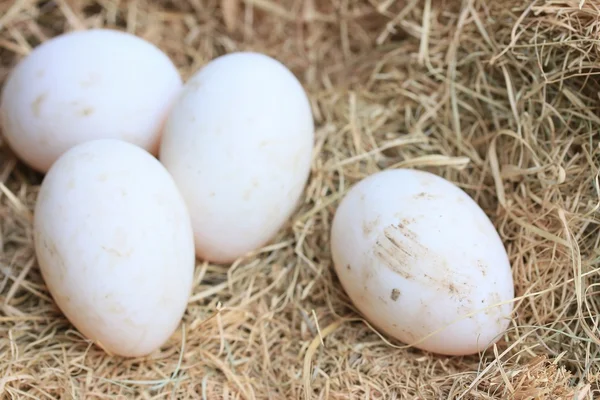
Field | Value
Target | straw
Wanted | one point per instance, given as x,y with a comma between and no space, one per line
500,97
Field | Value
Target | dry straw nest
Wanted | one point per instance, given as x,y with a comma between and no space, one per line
500,97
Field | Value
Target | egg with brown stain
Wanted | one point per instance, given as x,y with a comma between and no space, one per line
238,143
86,85
115,247
422,262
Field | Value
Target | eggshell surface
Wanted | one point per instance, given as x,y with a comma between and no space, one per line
87,85
115,247
421,260
238,142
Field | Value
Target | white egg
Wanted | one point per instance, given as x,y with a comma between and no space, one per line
238,142
115,246
86,85
421,260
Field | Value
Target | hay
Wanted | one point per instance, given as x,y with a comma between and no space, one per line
500,97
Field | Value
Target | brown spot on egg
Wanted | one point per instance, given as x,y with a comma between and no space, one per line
366,274
369,226
460,291
452,288
492,301
424,195
348,267
37,104
86,111
495,297
398,249
482,267
116,252
401,250
395,294
408,221
465,309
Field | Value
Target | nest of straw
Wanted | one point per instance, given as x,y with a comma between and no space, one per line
500,97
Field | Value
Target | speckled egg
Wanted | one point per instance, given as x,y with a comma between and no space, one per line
115,246
238,143
422,262
86,85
